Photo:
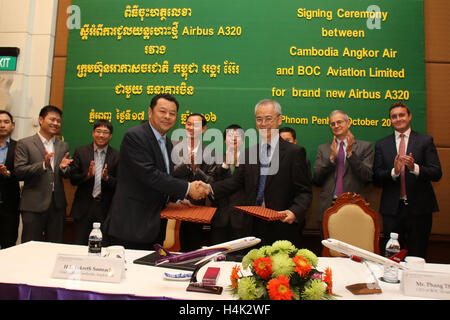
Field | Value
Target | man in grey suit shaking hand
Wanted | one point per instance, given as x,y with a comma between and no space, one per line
342,165
40,161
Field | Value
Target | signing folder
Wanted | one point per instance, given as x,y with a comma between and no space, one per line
262,212
179,211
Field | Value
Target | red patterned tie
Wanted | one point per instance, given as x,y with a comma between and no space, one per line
402,152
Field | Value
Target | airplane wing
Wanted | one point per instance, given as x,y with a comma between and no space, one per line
351,250
211,256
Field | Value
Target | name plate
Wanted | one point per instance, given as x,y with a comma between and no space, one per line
89,268
435,285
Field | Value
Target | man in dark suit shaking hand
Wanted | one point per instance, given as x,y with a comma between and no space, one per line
406,163
144,181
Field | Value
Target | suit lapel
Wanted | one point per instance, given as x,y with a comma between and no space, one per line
392,148
280,152
9,162
90,152
154,145
58,152
411,143
169,148
108,154
255,168
39,145
355,150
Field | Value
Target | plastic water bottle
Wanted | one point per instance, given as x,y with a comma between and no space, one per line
95,240
392,248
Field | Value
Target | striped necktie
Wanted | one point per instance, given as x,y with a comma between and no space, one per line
99,162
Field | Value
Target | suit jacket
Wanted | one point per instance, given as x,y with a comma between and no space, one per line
205,171
225,213
78,177
357,172
40,183
289,188
419,191
142,188
9,186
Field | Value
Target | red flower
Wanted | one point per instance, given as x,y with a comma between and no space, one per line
263,267
279,289
303,267
234,276
328,280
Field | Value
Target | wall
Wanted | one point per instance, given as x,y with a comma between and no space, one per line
29,25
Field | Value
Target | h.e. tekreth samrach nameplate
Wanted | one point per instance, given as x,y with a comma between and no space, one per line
419,283
89,268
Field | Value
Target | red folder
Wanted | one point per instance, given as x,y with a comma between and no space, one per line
262,212
198,214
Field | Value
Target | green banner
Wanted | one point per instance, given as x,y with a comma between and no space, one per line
220,58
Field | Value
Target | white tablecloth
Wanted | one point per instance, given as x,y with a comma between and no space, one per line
32,264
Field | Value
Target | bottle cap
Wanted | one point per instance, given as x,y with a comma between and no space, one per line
96,225
394,235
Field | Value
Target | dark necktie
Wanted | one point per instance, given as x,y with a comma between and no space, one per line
340,170
162,145
264,164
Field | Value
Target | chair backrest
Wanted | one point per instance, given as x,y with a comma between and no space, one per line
351,220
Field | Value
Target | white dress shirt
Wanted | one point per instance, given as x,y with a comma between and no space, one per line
49,146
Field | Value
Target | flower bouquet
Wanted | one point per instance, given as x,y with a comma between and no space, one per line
281,272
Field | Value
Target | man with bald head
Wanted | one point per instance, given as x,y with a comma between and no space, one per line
343,164
277,180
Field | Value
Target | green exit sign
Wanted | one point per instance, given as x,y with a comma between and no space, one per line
8,63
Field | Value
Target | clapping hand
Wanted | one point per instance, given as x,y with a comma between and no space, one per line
334,150
408,160
398,164
105,172
48,159
405,160
91,170
65,162
350,142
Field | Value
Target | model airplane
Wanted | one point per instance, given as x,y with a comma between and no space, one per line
206,253
355,253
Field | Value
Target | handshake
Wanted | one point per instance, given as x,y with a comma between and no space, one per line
199,190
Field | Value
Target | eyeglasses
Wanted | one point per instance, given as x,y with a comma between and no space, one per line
336,123
105,132
268,120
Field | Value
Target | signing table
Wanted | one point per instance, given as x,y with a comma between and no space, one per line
26,273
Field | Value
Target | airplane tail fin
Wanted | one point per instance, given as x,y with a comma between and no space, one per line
163,253
399,256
